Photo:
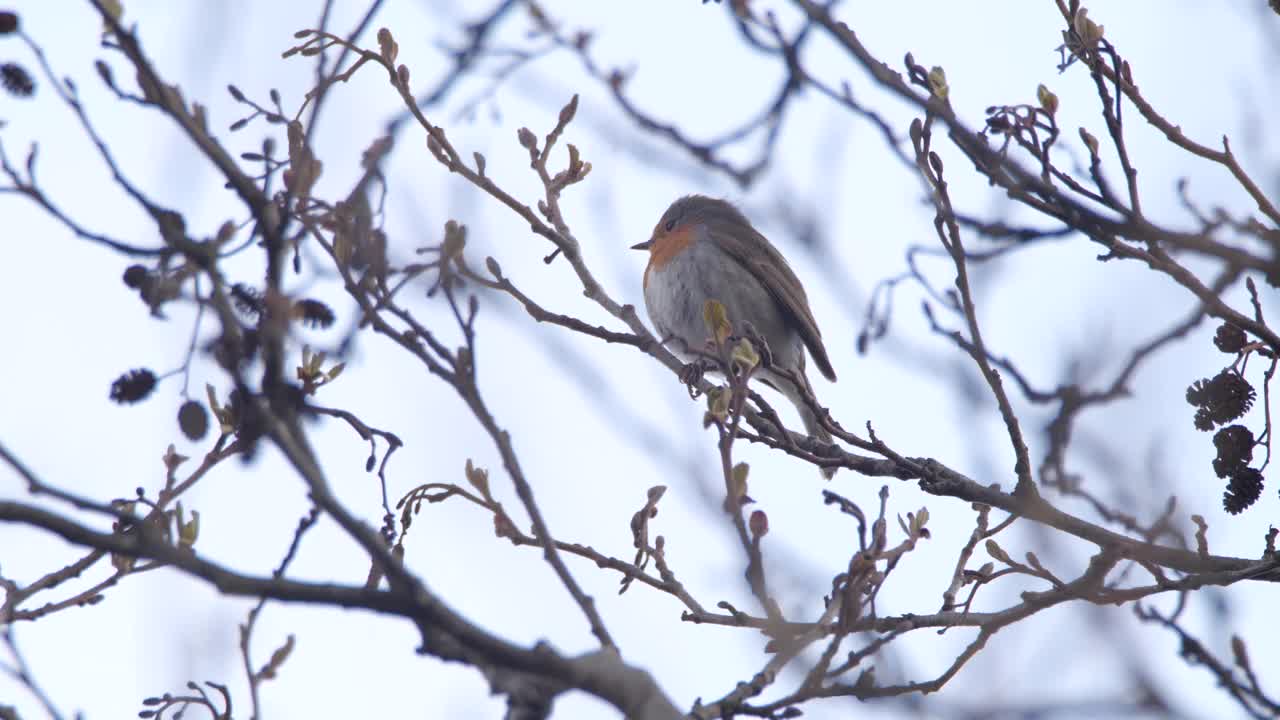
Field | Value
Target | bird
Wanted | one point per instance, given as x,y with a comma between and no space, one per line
704,248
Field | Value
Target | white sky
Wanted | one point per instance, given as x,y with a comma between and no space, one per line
593,442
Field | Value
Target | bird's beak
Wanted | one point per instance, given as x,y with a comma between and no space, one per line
644,245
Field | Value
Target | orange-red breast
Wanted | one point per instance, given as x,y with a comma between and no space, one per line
705,249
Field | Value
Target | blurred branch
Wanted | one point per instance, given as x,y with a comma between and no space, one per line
21,672
449,634
767,122
464,58
1049,200
1246,691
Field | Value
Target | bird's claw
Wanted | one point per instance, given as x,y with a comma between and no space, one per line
691,373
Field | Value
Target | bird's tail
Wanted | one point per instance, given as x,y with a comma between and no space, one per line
811,425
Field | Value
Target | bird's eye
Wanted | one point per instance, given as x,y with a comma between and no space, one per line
671,225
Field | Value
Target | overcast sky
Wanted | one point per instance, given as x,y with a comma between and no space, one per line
597,425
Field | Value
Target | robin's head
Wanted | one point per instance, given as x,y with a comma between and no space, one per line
674,229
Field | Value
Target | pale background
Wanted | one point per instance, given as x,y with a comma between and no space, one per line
593,439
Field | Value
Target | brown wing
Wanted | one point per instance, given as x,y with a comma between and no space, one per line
762,260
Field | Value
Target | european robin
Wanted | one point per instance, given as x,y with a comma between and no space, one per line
705,249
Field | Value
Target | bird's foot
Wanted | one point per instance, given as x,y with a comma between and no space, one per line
691,373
